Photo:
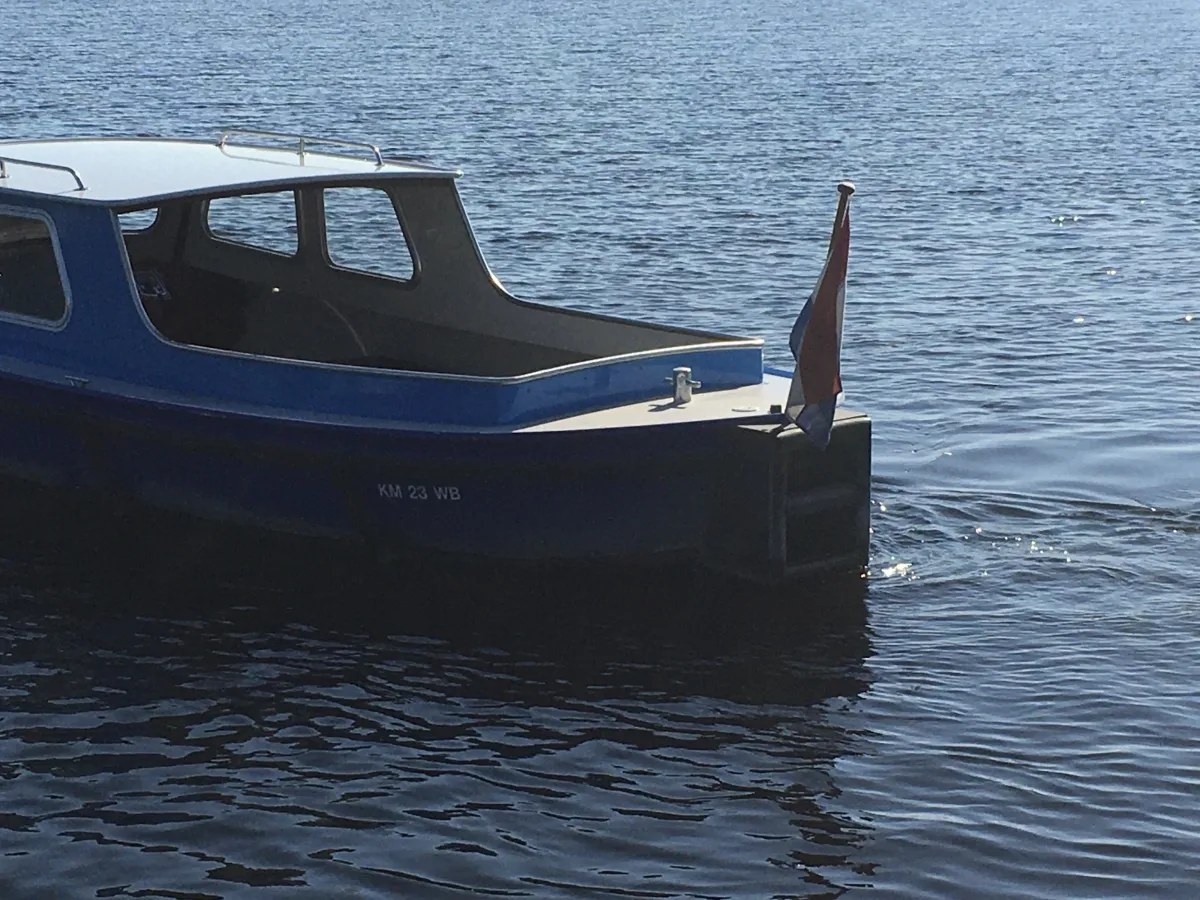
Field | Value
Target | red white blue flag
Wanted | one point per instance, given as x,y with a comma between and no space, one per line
816,338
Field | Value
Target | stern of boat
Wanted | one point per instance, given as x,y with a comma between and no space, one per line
785,509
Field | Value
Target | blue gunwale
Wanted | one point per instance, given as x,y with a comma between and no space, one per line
410,400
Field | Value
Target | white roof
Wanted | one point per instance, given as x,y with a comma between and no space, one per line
128,171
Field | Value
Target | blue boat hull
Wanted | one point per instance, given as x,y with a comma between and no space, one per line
621,494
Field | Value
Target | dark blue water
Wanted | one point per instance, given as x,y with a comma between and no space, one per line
1007,709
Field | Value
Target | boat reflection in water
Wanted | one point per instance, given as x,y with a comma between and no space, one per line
387,732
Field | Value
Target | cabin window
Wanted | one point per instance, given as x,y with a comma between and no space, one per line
138,220
264,221
363,233
31,282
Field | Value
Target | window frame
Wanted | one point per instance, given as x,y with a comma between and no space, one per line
157,210
328,260
258,248
25,212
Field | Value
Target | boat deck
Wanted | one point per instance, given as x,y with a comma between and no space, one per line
750,403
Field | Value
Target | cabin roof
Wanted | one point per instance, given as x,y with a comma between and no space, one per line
126,172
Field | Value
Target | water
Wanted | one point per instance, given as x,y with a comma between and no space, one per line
1006,709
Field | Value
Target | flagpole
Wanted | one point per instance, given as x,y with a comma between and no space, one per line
845,189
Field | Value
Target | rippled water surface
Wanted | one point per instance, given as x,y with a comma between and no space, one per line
1007,708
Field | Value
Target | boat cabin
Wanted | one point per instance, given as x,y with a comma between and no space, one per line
243,246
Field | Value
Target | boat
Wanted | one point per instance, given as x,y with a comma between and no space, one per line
301,335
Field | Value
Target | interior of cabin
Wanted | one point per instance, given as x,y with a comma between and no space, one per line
383,274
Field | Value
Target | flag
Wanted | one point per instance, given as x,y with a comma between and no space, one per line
816,338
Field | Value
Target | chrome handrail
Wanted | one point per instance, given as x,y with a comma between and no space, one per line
300,138
40,165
